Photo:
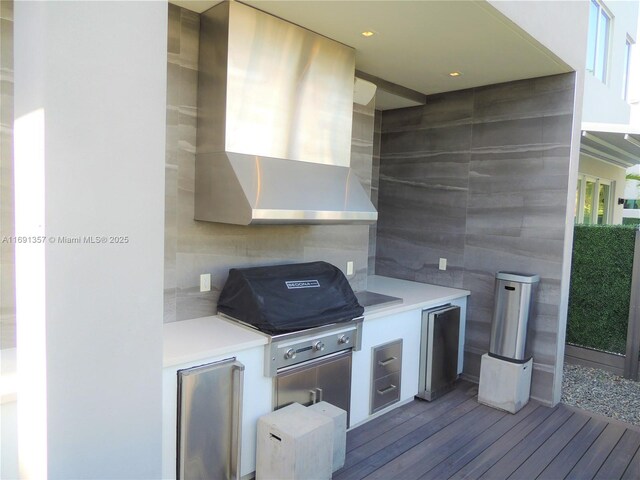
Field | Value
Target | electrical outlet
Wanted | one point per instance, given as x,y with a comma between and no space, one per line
349,268
443,264
205,282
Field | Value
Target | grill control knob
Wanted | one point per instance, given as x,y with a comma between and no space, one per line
290,354
344,339
318,346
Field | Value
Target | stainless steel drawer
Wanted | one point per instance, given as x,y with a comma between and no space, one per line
385,391
387,359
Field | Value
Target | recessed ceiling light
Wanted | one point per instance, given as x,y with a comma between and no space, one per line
455,74
368,33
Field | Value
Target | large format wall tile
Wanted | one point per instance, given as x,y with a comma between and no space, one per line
193,248
375,184
480,177
423,190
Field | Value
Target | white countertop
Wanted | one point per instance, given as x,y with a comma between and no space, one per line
206,337
414,295
210,337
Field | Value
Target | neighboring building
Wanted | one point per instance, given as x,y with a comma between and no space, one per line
631,212
610,143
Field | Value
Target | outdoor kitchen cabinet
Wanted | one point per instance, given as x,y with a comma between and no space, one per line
197,342
386,375
256,402
380,331
376,332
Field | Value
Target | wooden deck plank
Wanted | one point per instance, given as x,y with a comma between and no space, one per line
380,439
516,456
427,454
389,451
374,428
364,433
573,451
633,470
485,460
620,457
596,455
471,450
455,437
544,455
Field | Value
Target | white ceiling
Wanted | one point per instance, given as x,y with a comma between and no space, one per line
417,43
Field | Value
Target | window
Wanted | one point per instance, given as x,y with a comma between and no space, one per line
598,41
626,65
631,204
593,201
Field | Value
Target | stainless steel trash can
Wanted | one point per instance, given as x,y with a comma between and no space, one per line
512,307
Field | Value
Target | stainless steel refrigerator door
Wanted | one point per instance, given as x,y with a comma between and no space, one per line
210,421
438,351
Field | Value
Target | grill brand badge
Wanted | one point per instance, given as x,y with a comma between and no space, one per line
293,284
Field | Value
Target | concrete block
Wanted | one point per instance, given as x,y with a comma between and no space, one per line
294,443
504,385
339,418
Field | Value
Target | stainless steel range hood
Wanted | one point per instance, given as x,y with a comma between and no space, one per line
275,105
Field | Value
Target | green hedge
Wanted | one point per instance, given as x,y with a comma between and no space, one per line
601,286
631,221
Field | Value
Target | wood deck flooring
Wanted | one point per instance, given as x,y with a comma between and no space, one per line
456,437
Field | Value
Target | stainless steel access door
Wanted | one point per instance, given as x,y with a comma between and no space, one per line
210,421
438,351
328,379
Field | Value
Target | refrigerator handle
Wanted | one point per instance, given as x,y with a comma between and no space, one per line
236,419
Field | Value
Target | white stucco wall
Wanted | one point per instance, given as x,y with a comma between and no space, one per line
604,102
90,99
561,26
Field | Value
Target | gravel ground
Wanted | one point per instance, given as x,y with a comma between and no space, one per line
601,392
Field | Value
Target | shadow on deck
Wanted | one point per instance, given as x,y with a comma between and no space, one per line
456,437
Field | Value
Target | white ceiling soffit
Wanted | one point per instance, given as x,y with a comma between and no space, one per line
418,43
613,143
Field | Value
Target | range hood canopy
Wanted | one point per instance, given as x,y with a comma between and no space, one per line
275,105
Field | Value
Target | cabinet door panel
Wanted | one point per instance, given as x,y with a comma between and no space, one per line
297,385
334,382
387,359
328,379
386,390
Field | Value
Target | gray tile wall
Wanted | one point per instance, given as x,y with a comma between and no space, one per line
480,177
192,247
7,250
375,181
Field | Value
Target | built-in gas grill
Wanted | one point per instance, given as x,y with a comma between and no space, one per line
313,322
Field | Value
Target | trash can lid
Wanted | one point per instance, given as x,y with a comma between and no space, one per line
518,277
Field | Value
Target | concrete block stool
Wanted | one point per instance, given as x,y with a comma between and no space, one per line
294,443
339,418
504,385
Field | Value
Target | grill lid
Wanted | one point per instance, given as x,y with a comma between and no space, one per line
288,298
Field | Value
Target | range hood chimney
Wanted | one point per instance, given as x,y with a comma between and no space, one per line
275,105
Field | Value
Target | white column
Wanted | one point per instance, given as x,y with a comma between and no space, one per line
90,99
